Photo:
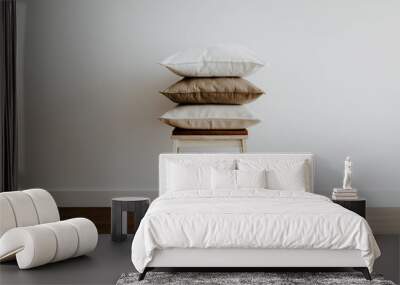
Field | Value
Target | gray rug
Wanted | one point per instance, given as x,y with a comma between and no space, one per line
233,278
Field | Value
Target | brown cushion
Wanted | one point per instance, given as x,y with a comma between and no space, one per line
187,132
223,90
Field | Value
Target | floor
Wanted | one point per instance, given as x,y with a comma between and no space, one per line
103,266
111,259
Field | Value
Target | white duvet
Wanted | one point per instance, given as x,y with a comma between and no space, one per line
250,219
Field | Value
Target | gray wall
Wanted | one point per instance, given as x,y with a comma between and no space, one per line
91,83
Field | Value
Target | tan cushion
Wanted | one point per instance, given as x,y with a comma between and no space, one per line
217,90
205,117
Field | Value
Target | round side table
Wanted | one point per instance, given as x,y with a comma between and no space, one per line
120,205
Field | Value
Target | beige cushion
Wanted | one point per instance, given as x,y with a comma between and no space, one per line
213,90
209,117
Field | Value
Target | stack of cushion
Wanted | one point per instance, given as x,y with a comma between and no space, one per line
212,93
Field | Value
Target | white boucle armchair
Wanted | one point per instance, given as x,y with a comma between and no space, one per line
32,233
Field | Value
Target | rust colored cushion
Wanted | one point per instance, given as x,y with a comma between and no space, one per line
187,132
217,90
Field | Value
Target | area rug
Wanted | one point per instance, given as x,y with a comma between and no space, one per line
268,278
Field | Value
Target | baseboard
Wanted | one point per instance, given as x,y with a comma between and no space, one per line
95,205
100,216
384,221
102,198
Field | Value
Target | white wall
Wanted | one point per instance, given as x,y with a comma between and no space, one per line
91,86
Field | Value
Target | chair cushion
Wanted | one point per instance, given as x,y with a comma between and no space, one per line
40,244
23,208
7,220
26,208
45,205
32,246
87,233
66,237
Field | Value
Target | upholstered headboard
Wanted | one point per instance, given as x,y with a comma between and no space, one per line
165,158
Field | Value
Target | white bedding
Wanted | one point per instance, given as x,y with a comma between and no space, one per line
251,218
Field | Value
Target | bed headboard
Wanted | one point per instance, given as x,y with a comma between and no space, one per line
166,157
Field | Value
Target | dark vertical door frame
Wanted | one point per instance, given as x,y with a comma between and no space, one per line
8,99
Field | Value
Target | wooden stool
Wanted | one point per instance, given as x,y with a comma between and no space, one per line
200,138
137,205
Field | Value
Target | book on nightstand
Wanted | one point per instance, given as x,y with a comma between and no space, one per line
344,194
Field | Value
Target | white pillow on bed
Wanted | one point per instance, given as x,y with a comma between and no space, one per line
184,177
183,174
293,179
289,175
238,179
223,179
251,179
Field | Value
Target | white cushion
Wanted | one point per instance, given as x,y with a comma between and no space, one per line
185,174
67,239
288,175
223,179
251,178
26,208
7,220
222,117
34,244
23,208
87,233
46,207
40,244
213,61
187,177
238,179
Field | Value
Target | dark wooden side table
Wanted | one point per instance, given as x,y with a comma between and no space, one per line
358,206
137,205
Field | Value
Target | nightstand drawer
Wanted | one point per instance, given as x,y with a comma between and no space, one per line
357,206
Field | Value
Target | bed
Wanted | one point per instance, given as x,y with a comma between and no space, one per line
201,224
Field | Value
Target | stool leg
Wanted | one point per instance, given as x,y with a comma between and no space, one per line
243,147
124,223
175,146
116,223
